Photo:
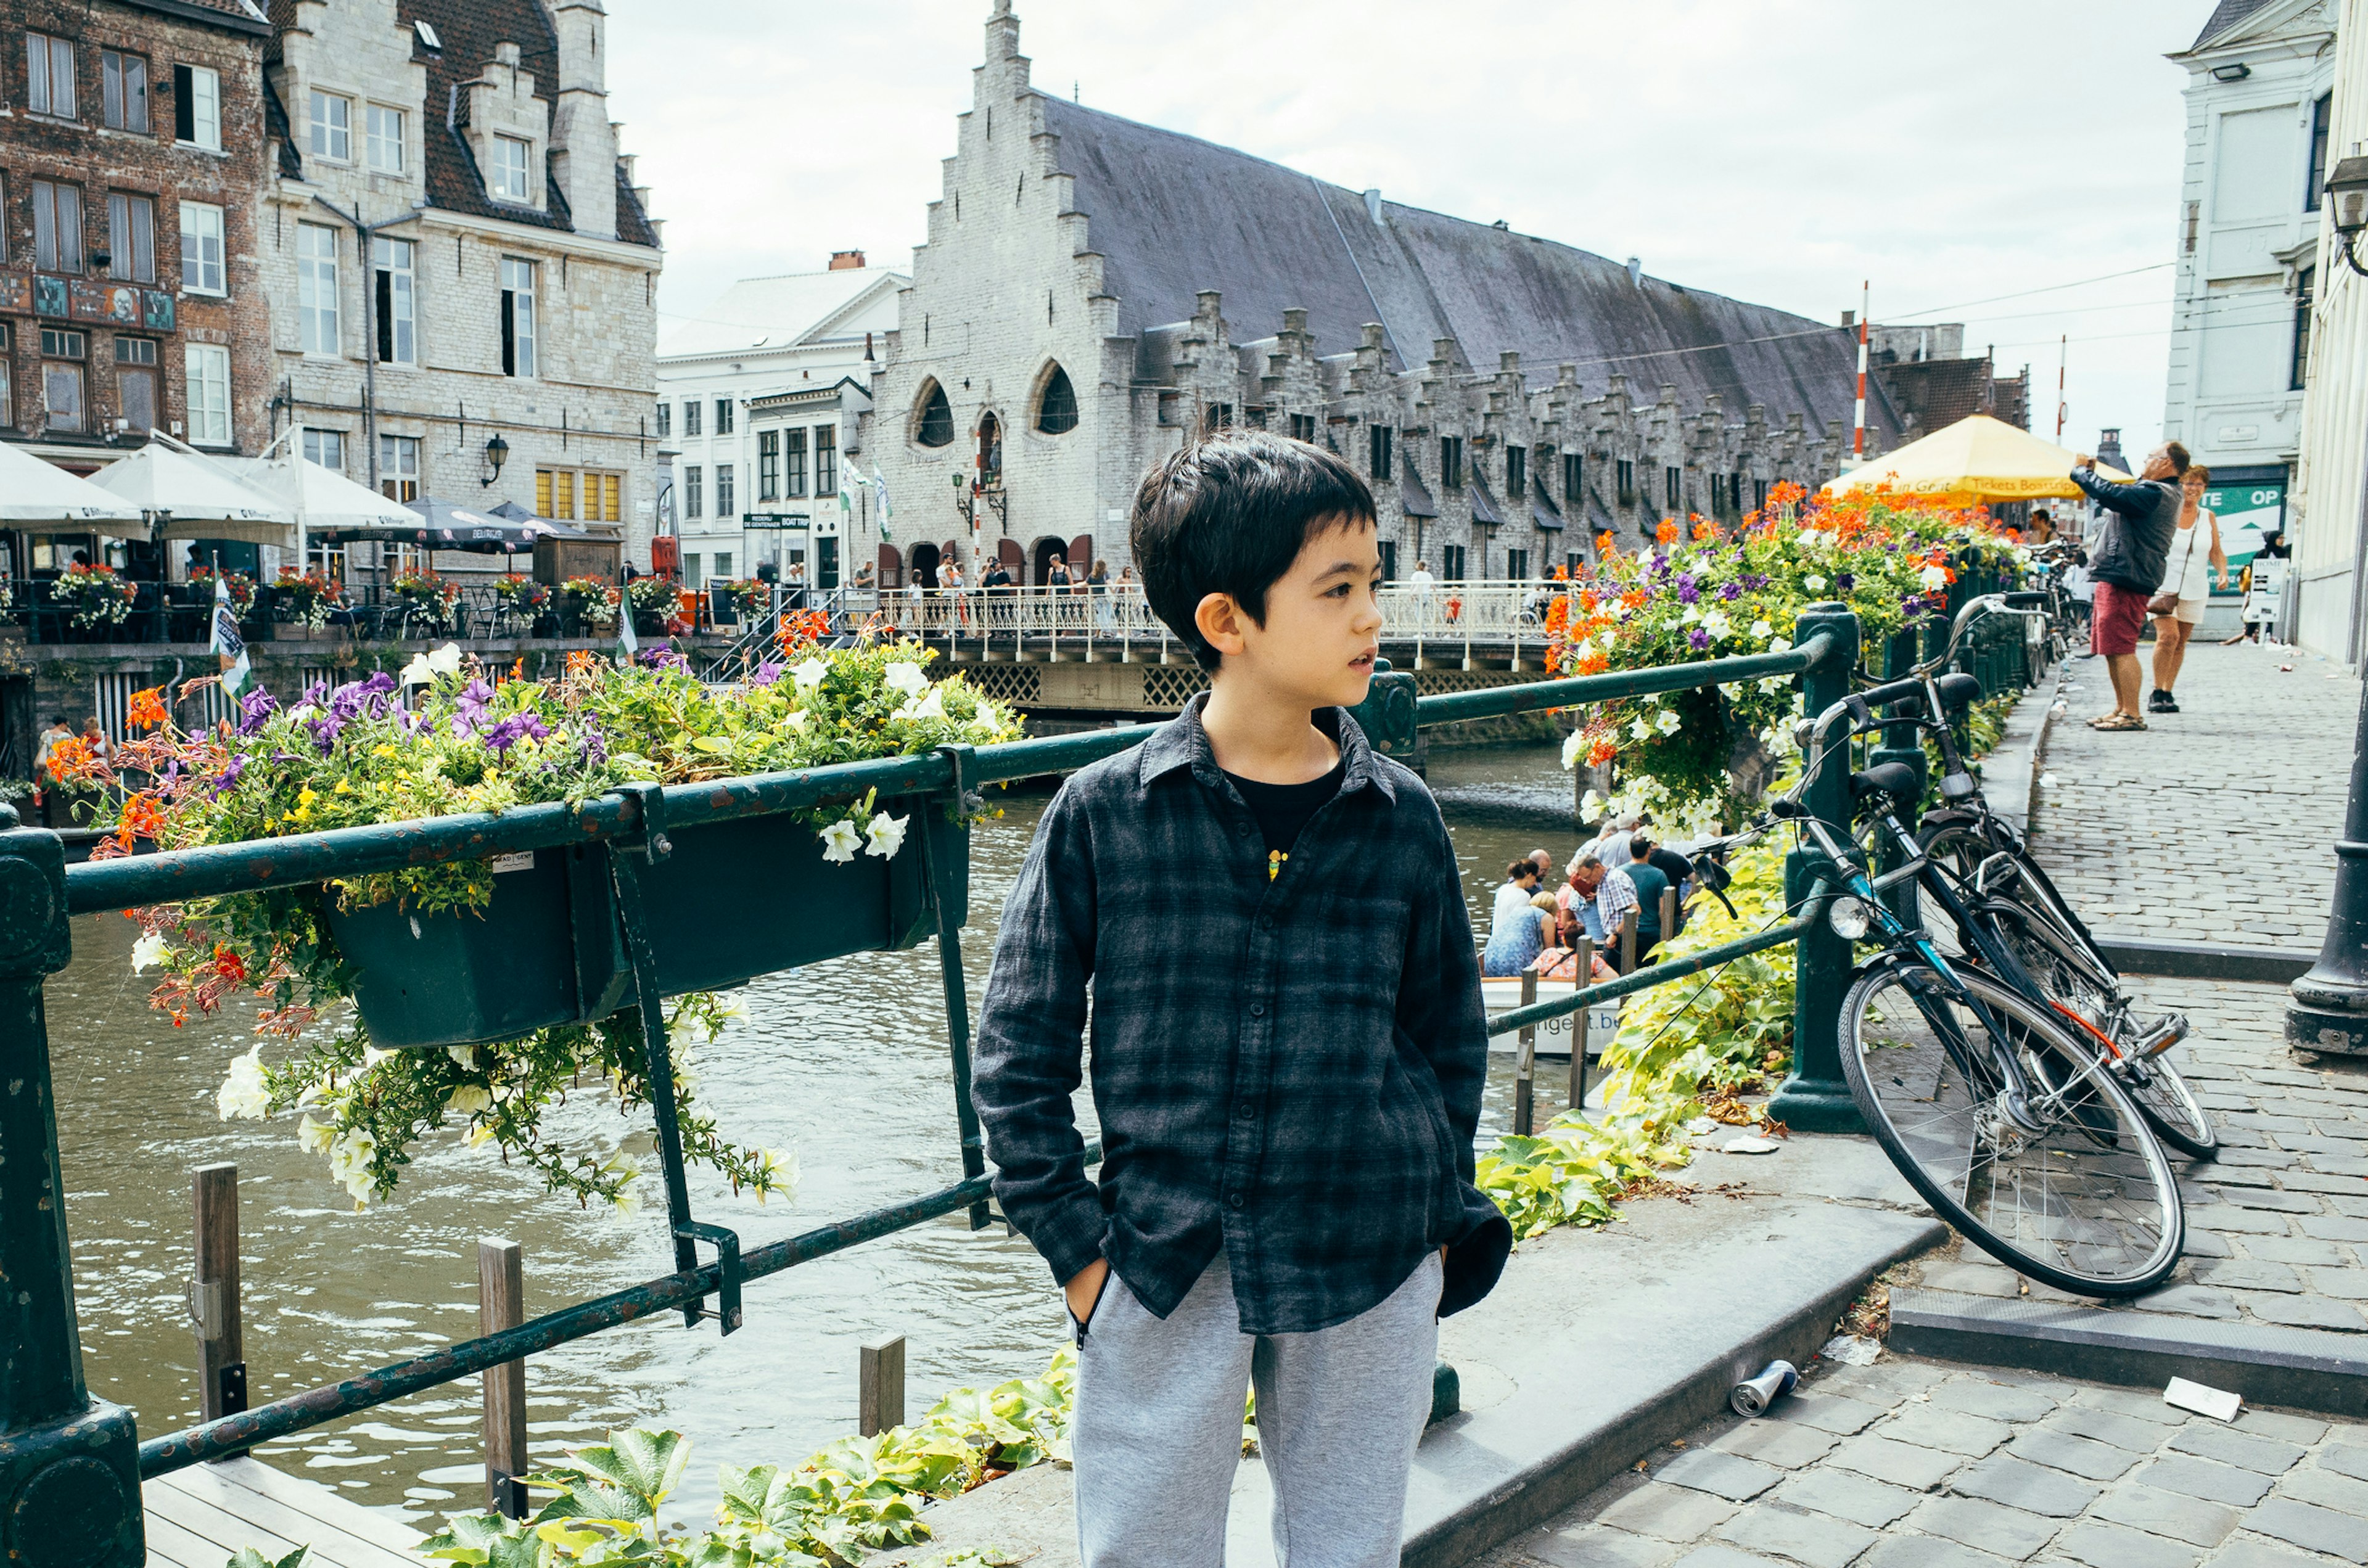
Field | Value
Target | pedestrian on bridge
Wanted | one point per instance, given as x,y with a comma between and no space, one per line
2195,562
2127,559
1286,1201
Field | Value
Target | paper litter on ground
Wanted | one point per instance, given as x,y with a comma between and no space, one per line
2218,1404
1852,1351
1750,1146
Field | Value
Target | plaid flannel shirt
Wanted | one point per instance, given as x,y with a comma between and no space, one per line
1613,900
1287,1069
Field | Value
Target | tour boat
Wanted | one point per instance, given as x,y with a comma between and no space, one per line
1503,993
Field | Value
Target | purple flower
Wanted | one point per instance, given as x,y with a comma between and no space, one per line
517,726
1845,581
314,695
1689,590
662,659
1698,639
767,673
254,708
593,749
227,779
1730,592
472,703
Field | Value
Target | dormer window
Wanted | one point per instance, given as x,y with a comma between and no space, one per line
505,179
426,35
331,126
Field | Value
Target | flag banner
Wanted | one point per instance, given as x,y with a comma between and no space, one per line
625,638
228,646
879,491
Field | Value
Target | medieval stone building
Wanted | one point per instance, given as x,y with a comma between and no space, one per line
1093,291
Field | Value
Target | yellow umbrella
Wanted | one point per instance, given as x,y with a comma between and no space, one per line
1978,459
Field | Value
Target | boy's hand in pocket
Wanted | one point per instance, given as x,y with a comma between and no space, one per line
1085,1288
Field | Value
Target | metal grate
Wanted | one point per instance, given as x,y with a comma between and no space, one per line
1171,686
111,699
1021,684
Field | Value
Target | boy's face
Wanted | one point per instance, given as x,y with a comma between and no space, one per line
1323,623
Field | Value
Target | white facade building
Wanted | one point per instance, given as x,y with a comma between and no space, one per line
2259,102
459,265
2327,608
753,392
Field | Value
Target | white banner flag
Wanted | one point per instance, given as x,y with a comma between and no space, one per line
227,644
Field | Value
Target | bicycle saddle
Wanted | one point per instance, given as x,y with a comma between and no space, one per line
1958,690
1894,778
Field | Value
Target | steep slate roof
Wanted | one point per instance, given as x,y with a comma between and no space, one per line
244,15
1172,214
2225,15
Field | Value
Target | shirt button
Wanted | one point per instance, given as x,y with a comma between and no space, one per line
1265,922
1235,1200
1241,830
1245,1110
1257,1010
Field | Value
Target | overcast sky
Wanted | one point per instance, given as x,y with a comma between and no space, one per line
1779,151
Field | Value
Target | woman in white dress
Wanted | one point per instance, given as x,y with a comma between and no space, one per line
2194,563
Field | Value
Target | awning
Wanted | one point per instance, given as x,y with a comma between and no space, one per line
444,524
33,492
1543,511
323,498
1414,496
191,496
1978,459
1483,505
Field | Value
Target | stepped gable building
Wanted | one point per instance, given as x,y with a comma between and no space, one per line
131,164
462,272
1093,290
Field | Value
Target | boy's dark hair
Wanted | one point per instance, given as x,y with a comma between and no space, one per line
1228,516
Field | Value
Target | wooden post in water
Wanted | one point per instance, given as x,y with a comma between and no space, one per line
1526,1061
501,1303
882,1392
1628,943
213,1294
1579,1030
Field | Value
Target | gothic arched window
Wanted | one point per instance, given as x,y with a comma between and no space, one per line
934,425
1057,405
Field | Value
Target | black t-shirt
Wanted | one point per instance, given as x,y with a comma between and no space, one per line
1283,809
1670,864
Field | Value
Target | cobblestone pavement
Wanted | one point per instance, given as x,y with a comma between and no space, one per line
2149,835
1917,1464
2277,1227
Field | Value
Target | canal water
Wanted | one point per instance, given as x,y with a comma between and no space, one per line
843,1062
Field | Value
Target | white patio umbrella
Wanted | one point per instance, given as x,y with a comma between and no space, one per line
197,497
33,492
322,499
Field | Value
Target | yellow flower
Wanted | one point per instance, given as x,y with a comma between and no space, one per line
345,787
305,796
384,751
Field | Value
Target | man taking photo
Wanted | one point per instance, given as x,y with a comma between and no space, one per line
2127,562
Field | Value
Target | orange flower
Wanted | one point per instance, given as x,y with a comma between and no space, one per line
1632,599
72,760
1667,532
143,817
148,708
1705,530
517,670
1602,752
228,964
580,661
1586,601
1606,546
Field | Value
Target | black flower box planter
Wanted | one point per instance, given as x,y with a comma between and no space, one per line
733,899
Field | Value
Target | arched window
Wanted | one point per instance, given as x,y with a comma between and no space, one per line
934,425
1057,405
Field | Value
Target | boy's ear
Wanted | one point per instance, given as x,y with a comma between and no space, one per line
1220,621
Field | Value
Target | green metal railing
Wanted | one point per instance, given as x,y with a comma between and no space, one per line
71,1465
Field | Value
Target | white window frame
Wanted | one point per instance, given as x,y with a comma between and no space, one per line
387,127
201,249
398,465
207,369
397,315
317,324
519,288
504,181
44,55
326,447
205,108
725,486
329,126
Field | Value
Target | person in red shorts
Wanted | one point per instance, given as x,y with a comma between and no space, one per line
2128,562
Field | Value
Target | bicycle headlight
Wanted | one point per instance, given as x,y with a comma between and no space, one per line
1848,918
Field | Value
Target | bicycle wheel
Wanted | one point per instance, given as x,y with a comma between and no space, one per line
2077,1193
2094,1007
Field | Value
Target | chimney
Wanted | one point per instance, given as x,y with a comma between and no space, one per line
847,261
583,141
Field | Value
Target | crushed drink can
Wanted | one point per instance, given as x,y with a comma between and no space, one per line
1754,1395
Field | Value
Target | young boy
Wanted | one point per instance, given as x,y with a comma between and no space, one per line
1288,1046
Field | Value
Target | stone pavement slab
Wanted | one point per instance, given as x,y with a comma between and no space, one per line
2293,1489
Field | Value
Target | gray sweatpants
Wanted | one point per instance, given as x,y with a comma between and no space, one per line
1158,1431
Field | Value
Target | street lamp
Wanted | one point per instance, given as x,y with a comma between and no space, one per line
497,452
2348,189
2329,1010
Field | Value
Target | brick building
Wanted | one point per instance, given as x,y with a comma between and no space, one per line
461,268
131,164
1093,290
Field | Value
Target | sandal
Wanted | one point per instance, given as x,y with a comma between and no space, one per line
2118,721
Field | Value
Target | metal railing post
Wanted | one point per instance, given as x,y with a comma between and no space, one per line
69,1463
1901,743
1813,1097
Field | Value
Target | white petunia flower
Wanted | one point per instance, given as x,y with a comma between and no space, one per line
933,706
468,1099
446,661
1691,614
887,835
1760,628
809,675
1780,644
1813,584
312,1137
417,673
243,1095
1591,805
1641,727
1668,723
840,840
987,720
794,719
1771,683
1571,746
906,676
1933,578
1716,623
149,950
777,1170
466,1055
